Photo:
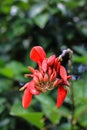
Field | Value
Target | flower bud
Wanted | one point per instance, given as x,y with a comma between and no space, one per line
53,75
44,65
57,65
69,76
66,83
40,76
55,82
63,73
31,69
49,71
51,59
29,75
45,78
35,79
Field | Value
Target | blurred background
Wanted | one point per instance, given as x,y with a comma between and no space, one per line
55,25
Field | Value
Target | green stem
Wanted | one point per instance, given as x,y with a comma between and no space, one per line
72,106
72,89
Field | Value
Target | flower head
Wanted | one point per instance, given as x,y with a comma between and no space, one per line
49,75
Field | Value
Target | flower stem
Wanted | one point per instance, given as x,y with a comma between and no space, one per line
70,67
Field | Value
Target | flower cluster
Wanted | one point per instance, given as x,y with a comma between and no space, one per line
51,74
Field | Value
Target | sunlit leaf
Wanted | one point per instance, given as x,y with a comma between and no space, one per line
7,72
80,110
36,9
50,109
80,59
80,91
35,118
41,20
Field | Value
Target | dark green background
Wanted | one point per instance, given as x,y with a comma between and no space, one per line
55,25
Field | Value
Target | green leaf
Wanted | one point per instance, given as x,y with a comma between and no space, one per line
49,108
34,118
7,72
65,112
6,9
16,67
13,69
29,115
80,59
64,126
84,30
41,20
5,85
19,30
62,8
80,101
83,119
67,126
1,109
2,106
80,110
36,9
2,64
80,50
81,95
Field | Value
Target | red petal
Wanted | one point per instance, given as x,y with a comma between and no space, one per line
31,69
57,65
53,75
69,76
51,60
33,90
49,70
26,85
55,83
35,80
66,83
37,54
61,95
26,99
40,76
45,77
63,73
44,65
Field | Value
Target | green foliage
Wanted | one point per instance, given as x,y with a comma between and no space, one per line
83,55
54,25
49,108
30,116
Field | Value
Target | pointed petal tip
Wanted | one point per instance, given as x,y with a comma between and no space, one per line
67,83
26,99
61,96
58,106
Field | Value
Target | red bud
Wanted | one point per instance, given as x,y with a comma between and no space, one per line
40,76
45,78
55,83
35,79
44,65
49,71
51,60
63,73
31,69
53,75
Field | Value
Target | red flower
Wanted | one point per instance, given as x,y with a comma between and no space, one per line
29,91
50,74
